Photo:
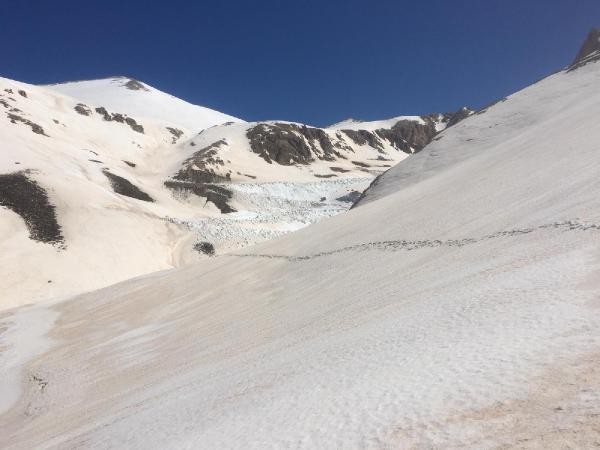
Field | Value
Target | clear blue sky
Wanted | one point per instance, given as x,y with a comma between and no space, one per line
306,60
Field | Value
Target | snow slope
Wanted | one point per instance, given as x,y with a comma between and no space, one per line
354,124
456,308
141,100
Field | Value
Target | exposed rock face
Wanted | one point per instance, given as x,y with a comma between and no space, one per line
29,200
115,117
459,115
83,109
37,129
124,187
176,132
218,195
199,168
288,143
409,136
197,176
135,85
362,137
134,125
589,52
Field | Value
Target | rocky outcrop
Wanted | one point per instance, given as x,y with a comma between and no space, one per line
288,143
200,167
37,129
589,51
83,109
459,116
217,195
364,137
198,176
29,200
409,136
135,85
124,187
176,132
119,118
205,247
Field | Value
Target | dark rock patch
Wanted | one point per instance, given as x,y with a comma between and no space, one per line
350,197
9,91
288,144
104,113
34,126
360,164
134,125
199,168
117,117
218,195
130,164
339,169
95,161
29,200
82,109
409,136
120,118
124,187
205,247
329,175
177,133
135,85
22,93
364,137
459,116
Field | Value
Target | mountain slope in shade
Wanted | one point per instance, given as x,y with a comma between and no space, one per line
455,308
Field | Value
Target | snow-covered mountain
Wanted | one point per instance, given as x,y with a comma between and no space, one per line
104,180
455,307
138,99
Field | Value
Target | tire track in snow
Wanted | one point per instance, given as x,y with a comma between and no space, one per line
398,245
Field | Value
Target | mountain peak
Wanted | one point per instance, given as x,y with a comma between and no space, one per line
589,51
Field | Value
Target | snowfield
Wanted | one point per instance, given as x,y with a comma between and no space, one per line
141,100
457,306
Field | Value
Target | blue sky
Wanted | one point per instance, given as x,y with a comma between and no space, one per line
309,61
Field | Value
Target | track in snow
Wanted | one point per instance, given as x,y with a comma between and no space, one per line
397,245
